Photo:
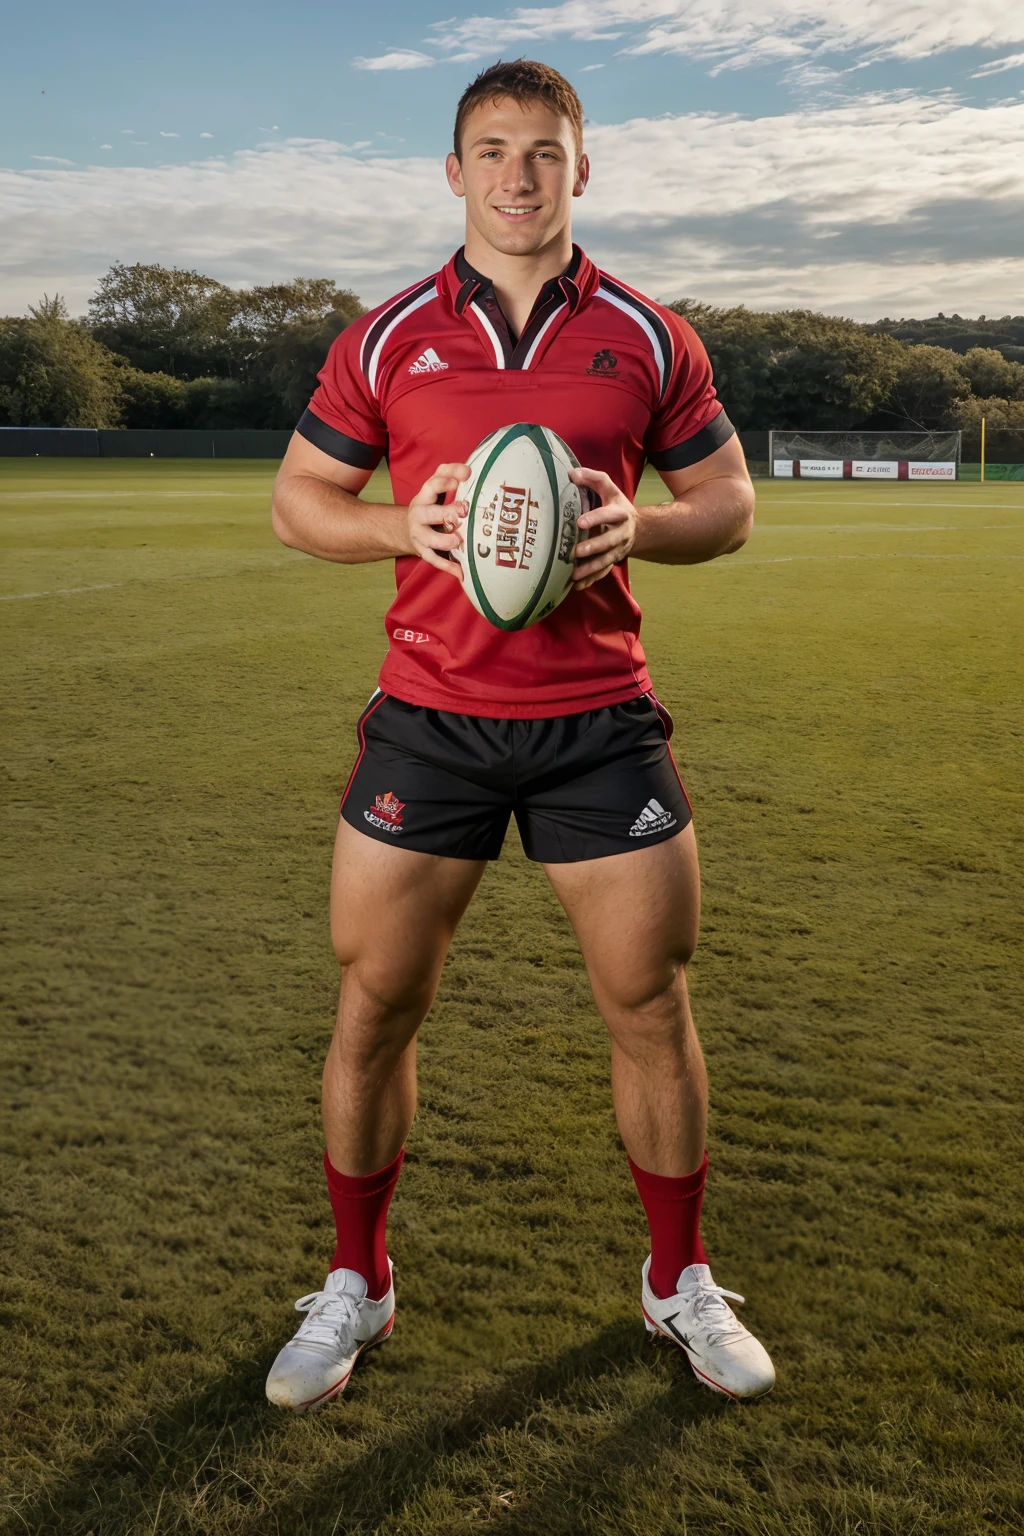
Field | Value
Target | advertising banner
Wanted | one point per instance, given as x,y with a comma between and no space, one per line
931,471
876,469
819,469
783,469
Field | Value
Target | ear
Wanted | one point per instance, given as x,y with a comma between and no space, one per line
582,176
453,171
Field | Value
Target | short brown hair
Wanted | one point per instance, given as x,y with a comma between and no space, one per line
524,80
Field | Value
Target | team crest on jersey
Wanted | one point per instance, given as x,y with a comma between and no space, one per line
605,364
386,813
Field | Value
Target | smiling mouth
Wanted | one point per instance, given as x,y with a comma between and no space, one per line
516,213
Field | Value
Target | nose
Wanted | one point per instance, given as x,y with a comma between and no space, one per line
518,175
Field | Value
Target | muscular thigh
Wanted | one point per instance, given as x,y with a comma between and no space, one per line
394,910
636,916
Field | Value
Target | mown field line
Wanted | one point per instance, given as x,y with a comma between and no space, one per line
896,555
290,558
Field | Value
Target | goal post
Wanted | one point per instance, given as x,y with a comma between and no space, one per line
796,455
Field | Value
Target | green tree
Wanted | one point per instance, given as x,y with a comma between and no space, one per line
930,387
165,319
181,323
990,374
795,368
53,373
293,358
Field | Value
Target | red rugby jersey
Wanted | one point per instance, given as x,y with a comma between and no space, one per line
423,378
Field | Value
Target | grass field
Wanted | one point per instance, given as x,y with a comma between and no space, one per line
180,696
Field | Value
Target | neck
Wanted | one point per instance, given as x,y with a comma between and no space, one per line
518,279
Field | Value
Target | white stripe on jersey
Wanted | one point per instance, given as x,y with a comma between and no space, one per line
374,363
528,359
499,353
660,359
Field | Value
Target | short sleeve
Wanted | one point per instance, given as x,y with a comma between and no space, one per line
343,417
689,423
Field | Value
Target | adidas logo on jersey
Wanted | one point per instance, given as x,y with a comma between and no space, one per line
428,362
653,818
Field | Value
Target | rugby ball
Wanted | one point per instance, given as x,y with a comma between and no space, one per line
520,530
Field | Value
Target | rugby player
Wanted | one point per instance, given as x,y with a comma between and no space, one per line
557,724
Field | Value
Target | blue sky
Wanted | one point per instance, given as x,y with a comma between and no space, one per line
765,151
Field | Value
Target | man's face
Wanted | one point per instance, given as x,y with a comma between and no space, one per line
519,172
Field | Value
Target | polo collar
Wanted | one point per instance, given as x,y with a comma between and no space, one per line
472,295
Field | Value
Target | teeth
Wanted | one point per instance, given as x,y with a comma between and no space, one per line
517,210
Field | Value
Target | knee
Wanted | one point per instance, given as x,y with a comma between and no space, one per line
649,1016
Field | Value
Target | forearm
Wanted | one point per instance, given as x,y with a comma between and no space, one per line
331,523
714,518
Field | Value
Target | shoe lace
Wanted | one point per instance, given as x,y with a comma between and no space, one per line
330,1314
712,1312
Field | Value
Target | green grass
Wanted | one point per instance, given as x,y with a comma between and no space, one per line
180,696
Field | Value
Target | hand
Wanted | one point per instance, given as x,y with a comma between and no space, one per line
435,530
615,521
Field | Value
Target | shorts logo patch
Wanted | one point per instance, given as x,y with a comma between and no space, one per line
653,818
386,813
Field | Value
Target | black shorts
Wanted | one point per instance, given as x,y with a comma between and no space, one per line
580,786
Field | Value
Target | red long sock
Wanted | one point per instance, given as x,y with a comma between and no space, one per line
360,1205
672,1207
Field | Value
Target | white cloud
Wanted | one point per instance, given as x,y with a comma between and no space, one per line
362,144
51,159
127,130
398,58
206,135
169,135
996,66
106,146
588,67
746,32
884,204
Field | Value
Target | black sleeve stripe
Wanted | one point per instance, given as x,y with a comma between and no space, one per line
653,319
700,446
329,440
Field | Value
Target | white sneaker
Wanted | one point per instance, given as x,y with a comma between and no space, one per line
340,1323
723,1354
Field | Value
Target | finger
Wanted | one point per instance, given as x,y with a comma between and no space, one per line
612,540
459,470
588,570
449,567
615,511
454,514
595,479
435,539
586,578
439,485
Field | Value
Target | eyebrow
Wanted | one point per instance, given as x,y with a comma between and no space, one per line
537,143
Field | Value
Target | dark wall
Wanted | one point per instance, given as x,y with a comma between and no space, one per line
24,442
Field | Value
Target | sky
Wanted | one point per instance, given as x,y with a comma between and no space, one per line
863,158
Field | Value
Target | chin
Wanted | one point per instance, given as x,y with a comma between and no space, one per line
518,242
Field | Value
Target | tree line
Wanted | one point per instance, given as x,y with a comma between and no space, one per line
164,347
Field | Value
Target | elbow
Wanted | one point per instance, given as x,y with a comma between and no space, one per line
744,525
279,523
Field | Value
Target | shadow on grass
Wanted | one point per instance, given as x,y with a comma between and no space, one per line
181,1470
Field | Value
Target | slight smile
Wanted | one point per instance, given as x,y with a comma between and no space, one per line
516,213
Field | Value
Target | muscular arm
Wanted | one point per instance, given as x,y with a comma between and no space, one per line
711,512
316,508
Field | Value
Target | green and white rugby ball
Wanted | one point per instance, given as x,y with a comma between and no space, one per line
520,531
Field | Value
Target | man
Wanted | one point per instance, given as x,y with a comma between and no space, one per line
556,724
